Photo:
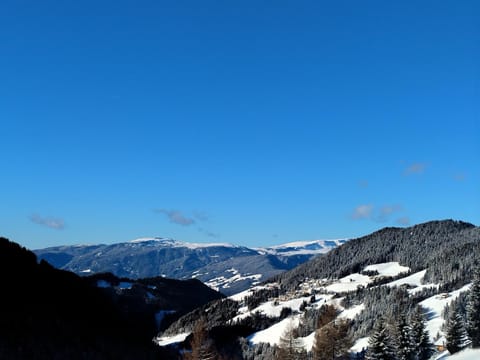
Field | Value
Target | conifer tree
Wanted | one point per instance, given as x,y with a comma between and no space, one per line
473,311
380,345
456,334
404,340
423,346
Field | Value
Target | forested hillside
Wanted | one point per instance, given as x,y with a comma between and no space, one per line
447,249
46,313
399,287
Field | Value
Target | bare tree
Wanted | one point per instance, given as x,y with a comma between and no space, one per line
290,346
203,347
332,341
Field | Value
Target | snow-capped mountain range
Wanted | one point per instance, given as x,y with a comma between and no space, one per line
225,267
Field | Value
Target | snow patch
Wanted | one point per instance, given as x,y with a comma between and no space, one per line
273,334
352,312
360,344
175,243
311,247
467,354
225,282
349,283
168,340
434,306
308,341
413,280
388,269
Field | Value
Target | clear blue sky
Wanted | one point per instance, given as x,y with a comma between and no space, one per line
250,122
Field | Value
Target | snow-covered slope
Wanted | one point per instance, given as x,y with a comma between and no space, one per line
313,247
467,354
315,293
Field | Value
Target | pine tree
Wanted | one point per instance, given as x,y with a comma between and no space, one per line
404,340
332,341
423,346
456,334
473,311
380,345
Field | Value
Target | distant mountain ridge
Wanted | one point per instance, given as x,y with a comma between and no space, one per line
225,267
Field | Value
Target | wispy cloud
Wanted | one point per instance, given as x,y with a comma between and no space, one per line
363,211
377,214
209,233
48,221
385,212
176,217
415,168
404,220
200,215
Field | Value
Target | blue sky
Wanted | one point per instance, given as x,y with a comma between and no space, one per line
246,122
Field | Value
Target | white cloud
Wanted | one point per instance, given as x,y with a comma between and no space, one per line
362,212
48,221
176,217
404,220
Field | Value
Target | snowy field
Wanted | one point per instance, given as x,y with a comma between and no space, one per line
273,334
388,269
352,281
435,305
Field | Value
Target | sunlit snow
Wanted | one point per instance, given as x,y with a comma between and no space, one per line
168,340
273,334
434,306
387,269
